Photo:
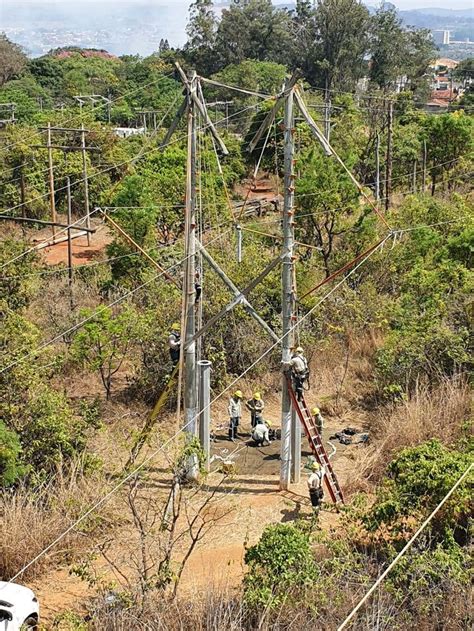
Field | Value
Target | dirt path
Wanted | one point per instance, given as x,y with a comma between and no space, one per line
251,499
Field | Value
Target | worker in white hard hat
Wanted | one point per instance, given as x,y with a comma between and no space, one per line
315,485
235,413
174,342
260,433
299,371
255,405
318,419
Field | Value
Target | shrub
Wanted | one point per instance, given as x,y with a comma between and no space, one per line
10,456
281,564
418,479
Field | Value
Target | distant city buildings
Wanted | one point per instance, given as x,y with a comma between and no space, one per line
441,37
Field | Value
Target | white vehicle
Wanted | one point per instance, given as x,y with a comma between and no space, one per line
19,608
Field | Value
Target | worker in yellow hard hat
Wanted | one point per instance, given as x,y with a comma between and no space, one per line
174,342
235,413
255,405
315,485
318,419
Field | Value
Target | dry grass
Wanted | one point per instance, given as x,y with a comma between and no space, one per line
440,413
32,519
224,610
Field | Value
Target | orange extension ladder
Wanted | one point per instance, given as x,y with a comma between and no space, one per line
316,444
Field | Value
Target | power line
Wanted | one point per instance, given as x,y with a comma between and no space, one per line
141,154
66,269
79,324
136,157
405,548
81,115
130,475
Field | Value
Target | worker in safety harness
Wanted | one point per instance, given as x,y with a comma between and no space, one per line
235,412
318,419
260,433
174,343
255,405
315,486
299,371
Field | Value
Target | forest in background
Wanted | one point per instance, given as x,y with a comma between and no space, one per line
401,322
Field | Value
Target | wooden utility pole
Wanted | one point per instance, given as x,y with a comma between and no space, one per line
83,149
423,175
23,193
287,295
327,114
388,164
52,202
377,168
86,182
69,240
414,176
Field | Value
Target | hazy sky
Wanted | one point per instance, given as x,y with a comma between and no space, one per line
402,4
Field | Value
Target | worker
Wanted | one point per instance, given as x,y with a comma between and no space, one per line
235,412
315,485
174,343
255,405
197,286
260,433
299,371
318,419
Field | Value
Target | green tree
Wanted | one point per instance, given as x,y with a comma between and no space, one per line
104,342
396,51
201,31
448,138
49,73
16,282
418,479
50,432
252,29
341,27
12,59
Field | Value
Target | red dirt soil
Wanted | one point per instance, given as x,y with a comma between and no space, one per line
81,252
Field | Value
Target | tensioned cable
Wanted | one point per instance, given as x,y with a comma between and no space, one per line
405,548
61,335
86,112
130,475
236,89
94,175
171,142
58,166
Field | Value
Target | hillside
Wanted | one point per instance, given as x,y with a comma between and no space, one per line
235,215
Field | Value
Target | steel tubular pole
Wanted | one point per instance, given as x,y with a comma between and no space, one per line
287,289
204,408
190,374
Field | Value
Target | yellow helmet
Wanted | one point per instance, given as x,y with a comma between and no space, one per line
268,423
238,394
315,411
257,396
175,327
315,466
299,350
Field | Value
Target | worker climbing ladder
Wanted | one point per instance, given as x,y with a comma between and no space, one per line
316,443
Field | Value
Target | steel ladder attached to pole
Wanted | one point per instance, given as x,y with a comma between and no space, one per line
316,443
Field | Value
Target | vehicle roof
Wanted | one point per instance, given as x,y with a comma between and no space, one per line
12,592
